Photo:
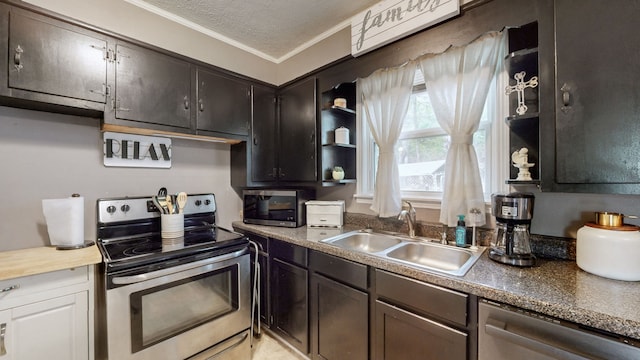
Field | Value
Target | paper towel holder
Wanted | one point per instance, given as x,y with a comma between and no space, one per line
86,243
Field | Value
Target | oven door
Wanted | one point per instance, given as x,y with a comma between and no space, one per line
177,312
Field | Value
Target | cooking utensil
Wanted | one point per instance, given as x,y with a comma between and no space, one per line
162,192
169,204
611,219
156,202
181,199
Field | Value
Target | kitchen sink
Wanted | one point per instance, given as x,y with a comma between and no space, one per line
365,242
444,257
420,253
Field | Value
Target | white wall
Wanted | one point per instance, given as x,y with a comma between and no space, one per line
45,155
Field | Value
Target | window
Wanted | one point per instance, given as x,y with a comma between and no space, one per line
422,147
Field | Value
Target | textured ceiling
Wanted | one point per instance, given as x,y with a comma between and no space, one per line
273,29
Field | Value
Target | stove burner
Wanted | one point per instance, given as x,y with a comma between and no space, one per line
145,246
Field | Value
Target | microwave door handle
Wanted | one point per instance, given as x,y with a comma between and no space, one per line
522,338
133,279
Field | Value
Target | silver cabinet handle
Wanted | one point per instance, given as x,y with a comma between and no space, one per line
17,58
7,289
201,105
3,330
566,97
186,102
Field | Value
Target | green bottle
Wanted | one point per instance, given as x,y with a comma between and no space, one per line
461,232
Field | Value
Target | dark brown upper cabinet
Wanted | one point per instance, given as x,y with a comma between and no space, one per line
264,160
597,98
297,160
224,103
282,149
149,90
51,61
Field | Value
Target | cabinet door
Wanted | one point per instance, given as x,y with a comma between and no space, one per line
404,335
298,152
339,316
224,103
290,303
52,329
263,131
597,97
151,87
50,57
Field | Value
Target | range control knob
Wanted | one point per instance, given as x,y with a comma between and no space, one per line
198,202
207,202
111,209
125,208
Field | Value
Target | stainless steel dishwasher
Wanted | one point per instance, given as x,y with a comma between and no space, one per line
505,332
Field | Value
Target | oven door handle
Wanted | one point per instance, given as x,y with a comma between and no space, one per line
127,280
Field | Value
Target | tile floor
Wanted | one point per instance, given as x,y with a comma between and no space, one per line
268,348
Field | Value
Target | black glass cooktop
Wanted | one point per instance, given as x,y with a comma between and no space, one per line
150,245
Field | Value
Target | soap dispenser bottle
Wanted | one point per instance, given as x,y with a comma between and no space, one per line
461,232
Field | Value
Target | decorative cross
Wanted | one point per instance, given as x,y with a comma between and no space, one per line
519,88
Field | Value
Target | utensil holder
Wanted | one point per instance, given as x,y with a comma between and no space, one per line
172,226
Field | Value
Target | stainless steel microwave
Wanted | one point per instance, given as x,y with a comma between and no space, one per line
275,207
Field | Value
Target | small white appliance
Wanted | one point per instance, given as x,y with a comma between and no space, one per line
325,213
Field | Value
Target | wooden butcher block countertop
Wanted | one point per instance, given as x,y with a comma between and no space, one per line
25,262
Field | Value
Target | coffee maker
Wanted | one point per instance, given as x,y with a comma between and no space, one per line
513,213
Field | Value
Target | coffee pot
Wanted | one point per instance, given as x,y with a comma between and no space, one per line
513,213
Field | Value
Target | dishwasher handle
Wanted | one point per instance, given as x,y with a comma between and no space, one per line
522,338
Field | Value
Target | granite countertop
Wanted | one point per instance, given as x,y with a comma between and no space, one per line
33,261
555,288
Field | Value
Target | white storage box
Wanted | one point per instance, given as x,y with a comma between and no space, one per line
325,213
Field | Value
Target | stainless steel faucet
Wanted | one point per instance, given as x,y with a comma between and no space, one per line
410,216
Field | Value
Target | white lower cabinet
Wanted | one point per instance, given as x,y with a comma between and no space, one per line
54,324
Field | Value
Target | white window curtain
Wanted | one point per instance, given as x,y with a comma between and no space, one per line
385,98
458,81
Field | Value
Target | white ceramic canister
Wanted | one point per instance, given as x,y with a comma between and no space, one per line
614,254
342,135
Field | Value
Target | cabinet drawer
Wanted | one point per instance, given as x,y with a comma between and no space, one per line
289,252
345,271
425,298
28,285
319,219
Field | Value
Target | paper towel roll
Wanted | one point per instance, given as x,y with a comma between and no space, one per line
65,220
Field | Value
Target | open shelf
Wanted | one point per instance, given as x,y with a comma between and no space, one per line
349,146
522,182
332,118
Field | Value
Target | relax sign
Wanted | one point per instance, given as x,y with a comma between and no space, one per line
390,20
136,151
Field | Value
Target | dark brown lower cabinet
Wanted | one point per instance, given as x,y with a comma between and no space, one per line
401,334
339,319
418,320
289,305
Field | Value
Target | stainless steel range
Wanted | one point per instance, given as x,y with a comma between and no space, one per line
184,298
